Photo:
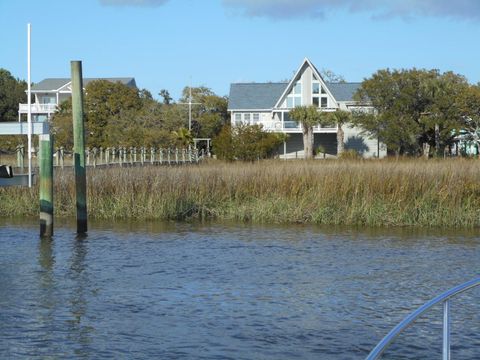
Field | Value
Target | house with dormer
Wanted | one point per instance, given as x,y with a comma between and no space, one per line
50,93
269,104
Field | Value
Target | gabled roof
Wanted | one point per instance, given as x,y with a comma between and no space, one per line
306,63
53,84
263,96
255,96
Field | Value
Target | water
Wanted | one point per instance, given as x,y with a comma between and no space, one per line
229,291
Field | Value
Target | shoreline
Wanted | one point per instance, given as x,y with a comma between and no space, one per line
371,193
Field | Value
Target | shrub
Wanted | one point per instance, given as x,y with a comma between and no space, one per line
350,154
246,142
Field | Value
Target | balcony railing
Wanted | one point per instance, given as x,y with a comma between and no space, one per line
37,108
293,126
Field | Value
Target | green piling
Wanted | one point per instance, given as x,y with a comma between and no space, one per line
46,185
79,146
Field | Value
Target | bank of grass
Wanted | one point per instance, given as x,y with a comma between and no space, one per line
444,193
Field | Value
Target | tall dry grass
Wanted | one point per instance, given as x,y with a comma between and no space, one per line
442,193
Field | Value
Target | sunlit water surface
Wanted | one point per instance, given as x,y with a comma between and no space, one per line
230,291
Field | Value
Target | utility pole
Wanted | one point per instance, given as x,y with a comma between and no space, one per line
29,102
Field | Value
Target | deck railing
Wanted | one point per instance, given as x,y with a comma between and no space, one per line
293,126
37,108
443,299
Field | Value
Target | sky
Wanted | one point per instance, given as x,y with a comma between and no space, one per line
169,44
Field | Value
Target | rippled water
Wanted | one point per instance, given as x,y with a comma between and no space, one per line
219,291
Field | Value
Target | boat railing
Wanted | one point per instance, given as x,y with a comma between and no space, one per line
443,299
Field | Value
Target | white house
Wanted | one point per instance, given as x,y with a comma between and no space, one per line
268,104
50,93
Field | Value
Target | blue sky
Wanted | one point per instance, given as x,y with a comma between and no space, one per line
162,43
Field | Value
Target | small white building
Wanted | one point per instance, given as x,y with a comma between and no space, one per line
50,93
268,104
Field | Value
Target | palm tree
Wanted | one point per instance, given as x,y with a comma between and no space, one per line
340,117
308,117
183,137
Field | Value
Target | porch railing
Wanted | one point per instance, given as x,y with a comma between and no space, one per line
38,108
292,126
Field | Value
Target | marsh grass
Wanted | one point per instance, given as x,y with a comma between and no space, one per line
444,193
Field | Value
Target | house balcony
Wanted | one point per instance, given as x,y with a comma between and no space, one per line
37,108
294,127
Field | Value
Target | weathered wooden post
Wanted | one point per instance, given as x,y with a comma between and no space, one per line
95,151
120,155
46,185
20,156
125,155
152,155
57,160
62,157
87,152
79,146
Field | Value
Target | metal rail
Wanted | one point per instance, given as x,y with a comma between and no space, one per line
405,323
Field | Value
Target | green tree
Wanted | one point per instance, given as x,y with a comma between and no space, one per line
105,102
183,137
167,99
340,118
412,110
308,117
12,93
209,112
222,144
469,102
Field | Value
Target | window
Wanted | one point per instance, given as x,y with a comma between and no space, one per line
290,102
238,119
323,91
324,102
315,101
295,97
48,100
256,118
297,88
315,88
246,118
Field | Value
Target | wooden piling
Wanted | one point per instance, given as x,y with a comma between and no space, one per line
46,185
79,146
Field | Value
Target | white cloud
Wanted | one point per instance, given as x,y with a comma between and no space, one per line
285,9
151,3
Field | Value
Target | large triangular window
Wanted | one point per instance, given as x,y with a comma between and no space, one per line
319,94
294,98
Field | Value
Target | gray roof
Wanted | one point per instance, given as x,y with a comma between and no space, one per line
255,96
53,84
262,96
343,91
